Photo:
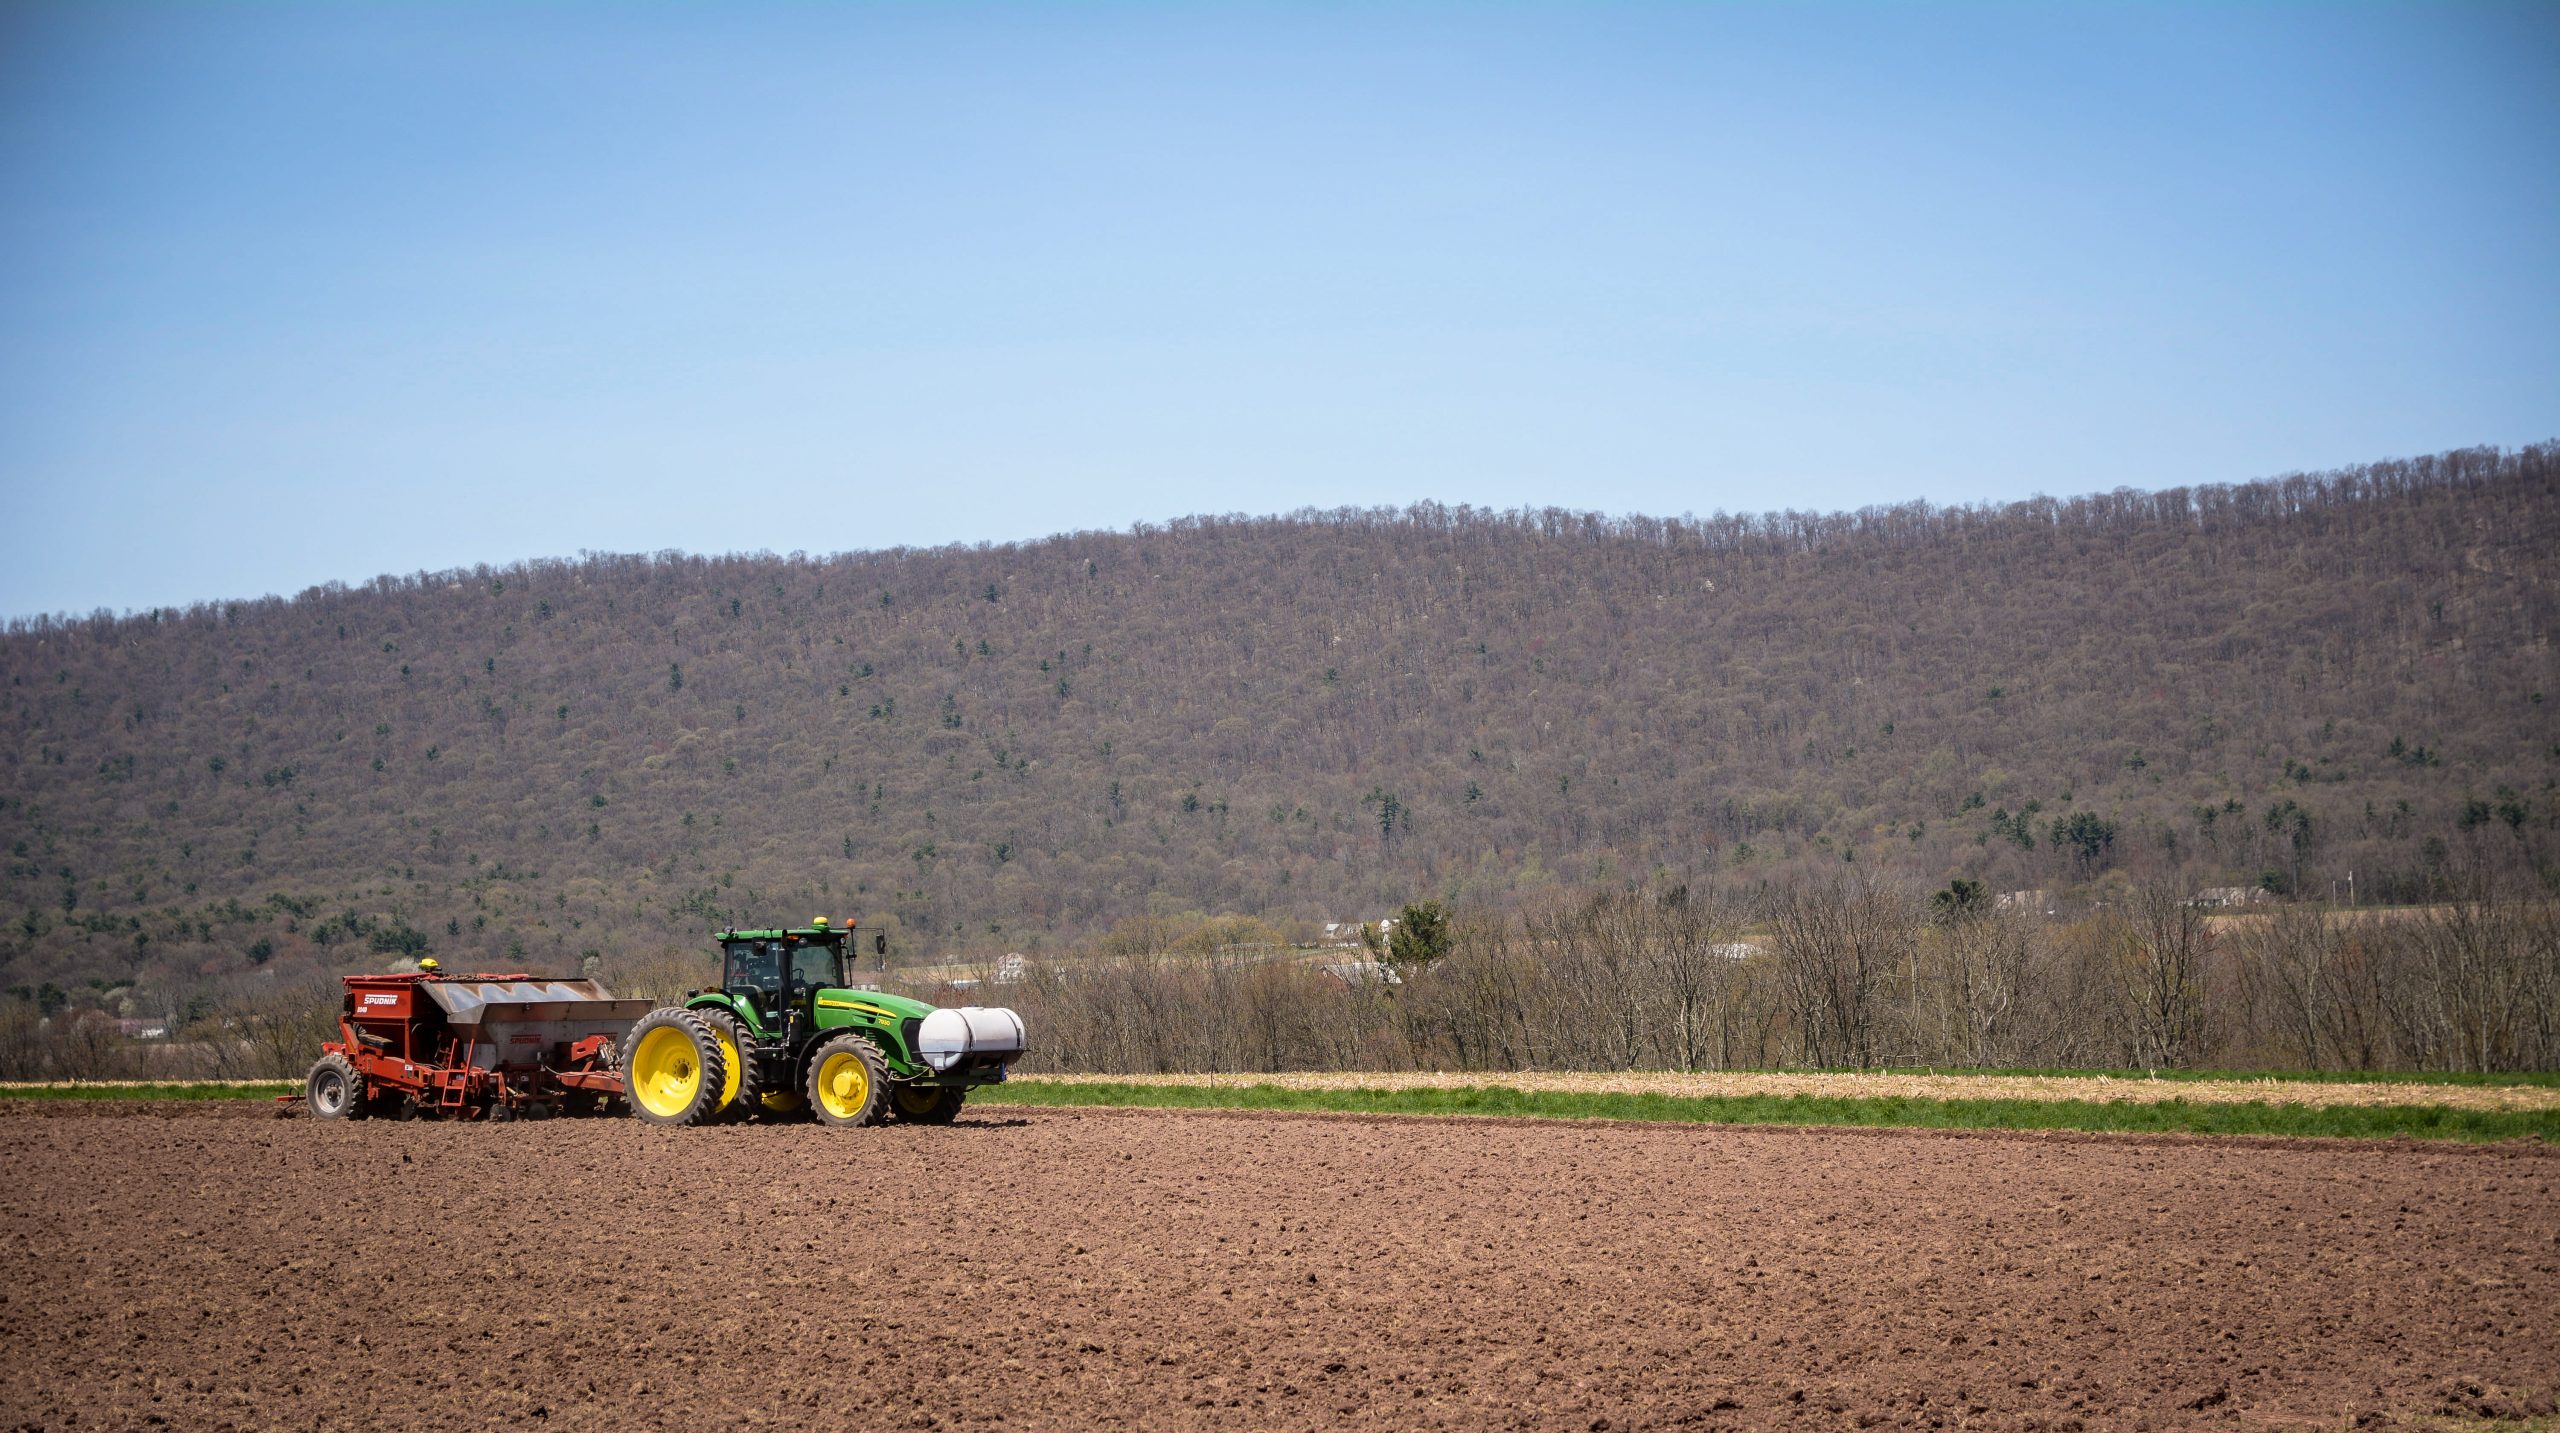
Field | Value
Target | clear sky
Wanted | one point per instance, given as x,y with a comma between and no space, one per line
297,293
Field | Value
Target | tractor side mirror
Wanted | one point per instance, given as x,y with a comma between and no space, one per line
880,944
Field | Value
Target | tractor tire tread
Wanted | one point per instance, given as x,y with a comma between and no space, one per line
714,1065
750,1075
945,1107
352,1102
876,1107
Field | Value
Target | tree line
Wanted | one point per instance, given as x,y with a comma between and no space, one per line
1847,971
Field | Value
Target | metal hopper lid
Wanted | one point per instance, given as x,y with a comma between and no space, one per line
463,1000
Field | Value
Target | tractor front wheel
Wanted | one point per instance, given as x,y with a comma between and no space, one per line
334,1090
927,1105
676,1072
848,1082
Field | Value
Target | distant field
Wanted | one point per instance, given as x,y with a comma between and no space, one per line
2532,1093
1870,1101
146,1089
2545,1080
2212,1104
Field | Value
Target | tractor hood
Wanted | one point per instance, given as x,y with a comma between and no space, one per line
969,1041
893,1008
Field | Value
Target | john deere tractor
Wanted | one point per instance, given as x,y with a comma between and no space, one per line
785,1037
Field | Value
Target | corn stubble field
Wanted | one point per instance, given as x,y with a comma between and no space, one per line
207,1264
2321,1094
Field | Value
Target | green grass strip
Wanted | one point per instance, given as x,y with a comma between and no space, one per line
258,1091
2163,1117
2542,1080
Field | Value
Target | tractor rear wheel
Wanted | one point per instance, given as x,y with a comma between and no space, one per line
675,1070
848,1082
925,1104
334,1090
741,1092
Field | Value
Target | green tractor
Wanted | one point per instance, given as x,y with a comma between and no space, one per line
785,1037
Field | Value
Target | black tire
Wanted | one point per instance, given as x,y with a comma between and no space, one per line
926,1104
334,1091
747,1102
676,1077
834,1097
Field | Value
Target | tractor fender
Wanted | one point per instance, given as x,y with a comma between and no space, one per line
723,1001
800,1059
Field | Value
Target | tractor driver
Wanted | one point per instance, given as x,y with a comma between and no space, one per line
761,968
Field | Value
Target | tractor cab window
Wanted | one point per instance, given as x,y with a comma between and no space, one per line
816,966
776,973
755,965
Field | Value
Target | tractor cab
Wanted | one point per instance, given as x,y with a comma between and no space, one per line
777,973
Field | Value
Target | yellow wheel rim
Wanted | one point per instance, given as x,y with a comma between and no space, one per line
782,1102
918,1101
666,1072
844,1086
729,1056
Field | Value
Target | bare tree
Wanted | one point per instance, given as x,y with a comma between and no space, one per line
1696,940
275,1031
1981,964
2165,942
2293,969
2483,991
1837,942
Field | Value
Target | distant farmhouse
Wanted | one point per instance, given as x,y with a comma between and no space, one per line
2034,903
1347,933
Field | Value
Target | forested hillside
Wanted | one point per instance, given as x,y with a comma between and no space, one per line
1300,718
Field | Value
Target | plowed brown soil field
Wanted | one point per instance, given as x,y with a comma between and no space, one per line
212,1266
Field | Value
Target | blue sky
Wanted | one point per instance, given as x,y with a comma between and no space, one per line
298,293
